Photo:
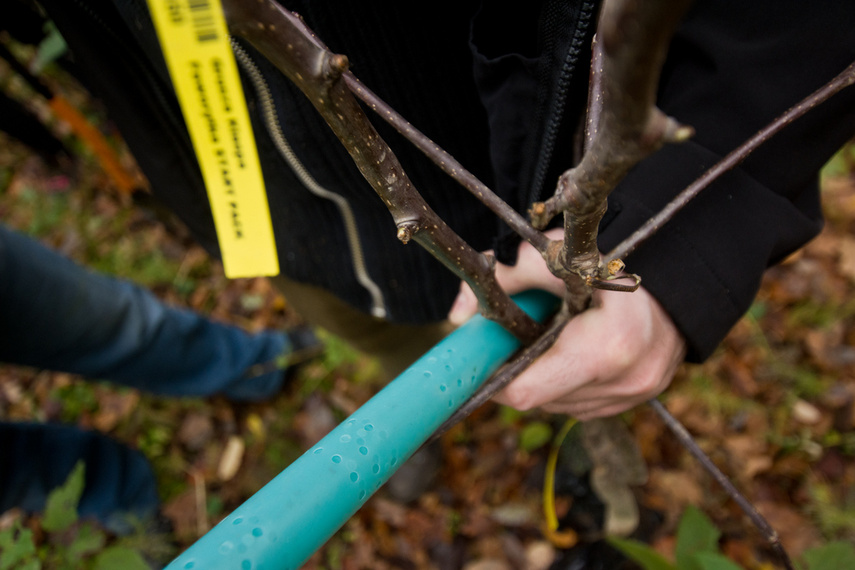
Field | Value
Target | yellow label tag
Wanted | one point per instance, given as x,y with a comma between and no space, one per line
196,47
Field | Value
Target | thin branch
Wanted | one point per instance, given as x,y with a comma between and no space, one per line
595,93
759,521
449,165
287,43
635,37
843,80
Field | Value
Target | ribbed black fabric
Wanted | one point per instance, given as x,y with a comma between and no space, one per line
505,99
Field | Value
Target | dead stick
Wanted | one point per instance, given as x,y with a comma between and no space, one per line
759,521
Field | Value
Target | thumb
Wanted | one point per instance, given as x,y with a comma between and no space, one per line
465,306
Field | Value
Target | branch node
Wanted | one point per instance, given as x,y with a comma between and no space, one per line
682,134
406,230
491,260
336,65
541,213
615,266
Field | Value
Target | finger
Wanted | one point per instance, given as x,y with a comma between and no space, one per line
465,306
614,367
512,279
530,271
612,398
603,344
577,358
591,410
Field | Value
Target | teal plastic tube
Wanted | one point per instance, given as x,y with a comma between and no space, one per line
288,519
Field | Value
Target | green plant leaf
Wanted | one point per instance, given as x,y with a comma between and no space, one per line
50,49
535,435
120,557
695,534
714,561
830,556
641,553
7,542
17,547
89,540
61,508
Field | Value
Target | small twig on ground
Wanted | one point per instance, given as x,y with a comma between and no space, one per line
759,521
201,499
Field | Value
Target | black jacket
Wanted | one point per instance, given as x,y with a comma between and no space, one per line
504,92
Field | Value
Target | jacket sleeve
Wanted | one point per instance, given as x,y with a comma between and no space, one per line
732,68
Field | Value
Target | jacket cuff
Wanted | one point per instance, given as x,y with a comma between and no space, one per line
706,264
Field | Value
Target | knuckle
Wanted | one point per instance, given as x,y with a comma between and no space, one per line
520,397
647,384
624,349
642,385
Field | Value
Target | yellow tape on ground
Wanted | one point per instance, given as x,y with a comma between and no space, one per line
196,47
566,538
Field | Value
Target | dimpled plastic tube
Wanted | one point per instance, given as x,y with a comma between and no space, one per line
288,519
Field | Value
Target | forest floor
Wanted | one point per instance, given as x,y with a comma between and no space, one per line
773,407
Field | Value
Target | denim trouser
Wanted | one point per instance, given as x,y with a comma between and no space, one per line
56,315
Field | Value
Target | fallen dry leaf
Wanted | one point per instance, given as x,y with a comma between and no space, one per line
231,459
675,489
806,413
181,512
488,564
196,430
749,455
846,262
539,555
114,406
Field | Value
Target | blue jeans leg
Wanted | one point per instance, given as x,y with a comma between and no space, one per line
36,458
57,315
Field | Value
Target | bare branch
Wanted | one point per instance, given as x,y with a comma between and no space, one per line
449,165
686,440
286,42
845,79
635,38
595,93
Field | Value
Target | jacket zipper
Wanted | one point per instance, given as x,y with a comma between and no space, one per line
559,100
274,129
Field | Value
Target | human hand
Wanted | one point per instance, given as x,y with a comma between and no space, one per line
620,352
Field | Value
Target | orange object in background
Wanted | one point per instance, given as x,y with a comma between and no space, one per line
80,125
95,141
